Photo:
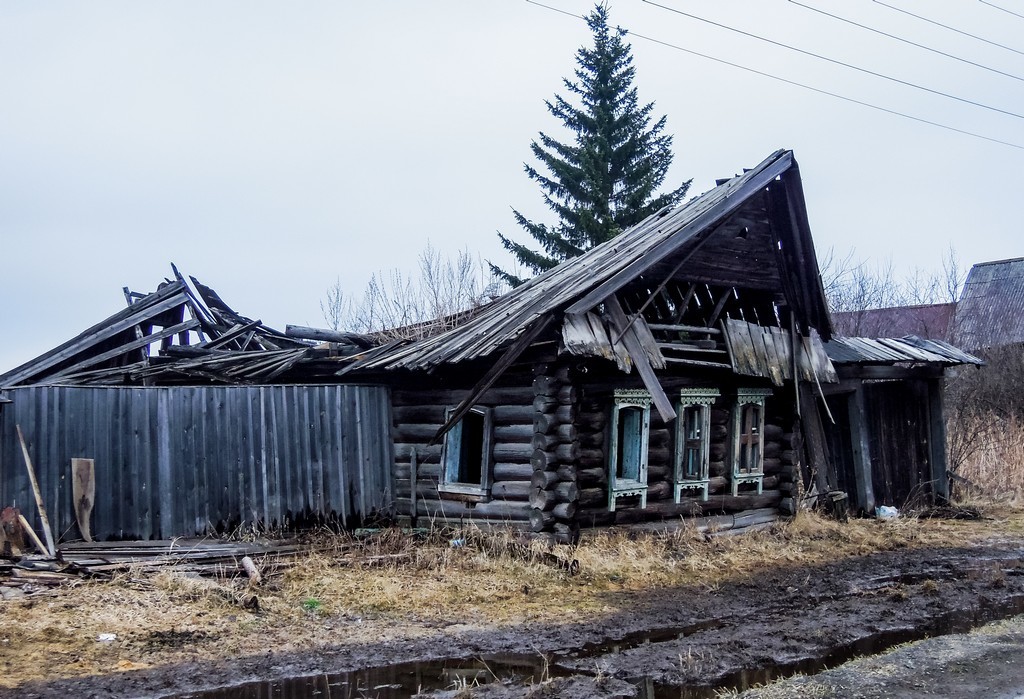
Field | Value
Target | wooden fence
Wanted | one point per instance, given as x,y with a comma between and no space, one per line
182,461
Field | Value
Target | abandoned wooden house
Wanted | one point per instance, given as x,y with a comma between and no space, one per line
659,375
676,371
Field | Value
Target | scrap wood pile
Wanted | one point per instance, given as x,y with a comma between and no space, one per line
22,574
184,332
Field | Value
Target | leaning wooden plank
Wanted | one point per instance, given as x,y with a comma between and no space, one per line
83,488
138,343
32,534
39,496
639,354
303,333
492,375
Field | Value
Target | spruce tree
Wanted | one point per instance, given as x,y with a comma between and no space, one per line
605,180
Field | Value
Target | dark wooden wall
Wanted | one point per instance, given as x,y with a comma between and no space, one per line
898,426
181,461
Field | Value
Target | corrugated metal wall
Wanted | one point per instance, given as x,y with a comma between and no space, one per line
180,461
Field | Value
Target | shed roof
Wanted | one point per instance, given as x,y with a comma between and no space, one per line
659,245
887,350
991,308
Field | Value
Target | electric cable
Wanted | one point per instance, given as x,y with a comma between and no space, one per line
906,41
1010,12
818,90
946,26
860,69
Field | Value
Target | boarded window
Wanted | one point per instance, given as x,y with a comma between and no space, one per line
466,457
748,438
693,428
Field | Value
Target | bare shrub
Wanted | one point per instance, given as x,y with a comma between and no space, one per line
443,292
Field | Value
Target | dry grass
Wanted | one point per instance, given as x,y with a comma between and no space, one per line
399,586
989,452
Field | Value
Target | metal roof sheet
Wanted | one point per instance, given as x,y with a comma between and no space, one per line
888,350
991,308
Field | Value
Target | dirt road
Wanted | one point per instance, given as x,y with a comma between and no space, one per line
734,634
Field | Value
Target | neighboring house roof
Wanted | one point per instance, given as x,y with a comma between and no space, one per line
932,321
761,239
991,308
906,350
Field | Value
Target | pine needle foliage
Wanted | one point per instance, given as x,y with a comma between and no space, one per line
605,180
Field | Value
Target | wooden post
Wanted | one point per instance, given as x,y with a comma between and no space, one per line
83,487
861,447
937,440
39,496
413,482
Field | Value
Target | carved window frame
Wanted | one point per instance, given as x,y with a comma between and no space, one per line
626,402
745,450
702,399
453,459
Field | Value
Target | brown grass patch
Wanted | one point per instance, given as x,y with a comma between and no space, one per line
398,585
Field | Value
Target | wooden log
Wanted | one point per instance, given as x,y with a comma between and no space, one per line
565,511
719,416
513,414
788,506
543,479
770,483
592,497
83,489
566,472
718,468
592,421
27,528
545,404
772,450
662,490
658,472
717,451
423,471
542,499
540,520
773,432
717,484
566,534
403,450
521,433
547,386
591,476
566,492
772,466
787,456
510,490
512,472
47,532
591,440
251,570
545,423
542,460
513,453
433,414
545,442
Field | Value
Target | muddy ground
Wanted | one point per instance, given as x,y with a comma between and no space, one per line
733,634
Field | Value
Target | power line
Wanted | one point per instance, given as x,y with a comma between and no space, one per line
820,57
906,41
794,83
992,4
946,26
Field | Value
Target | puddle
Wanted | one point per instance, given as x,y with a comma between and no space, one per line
403,680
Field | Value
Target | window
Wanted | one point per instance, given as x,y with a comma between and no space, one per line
748,438
630,431
466,456
693,430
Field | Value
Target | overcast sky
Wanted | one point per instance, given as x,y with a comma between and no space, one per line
270,148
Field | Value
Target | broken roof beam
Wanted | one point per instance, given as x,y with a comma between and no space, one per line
639,350
158,302
138,343
324,335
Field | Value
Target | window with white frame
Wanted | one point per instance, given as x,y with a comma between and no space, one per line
693,430
466,462
627,454
748,438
